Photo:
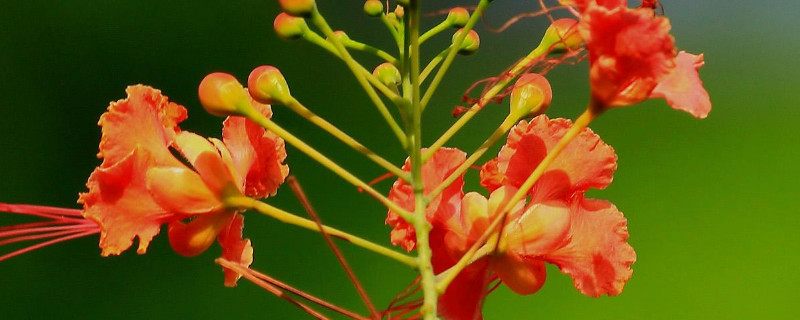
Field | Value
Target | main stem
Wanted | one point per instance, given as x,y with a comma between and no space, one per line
421,226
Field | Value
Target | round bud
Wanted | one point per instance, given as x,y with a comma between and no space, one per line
471,43
297,8
399,12
340,36
288,27
562,35
531,95
388,74
222,95
373,8
267,85
458,17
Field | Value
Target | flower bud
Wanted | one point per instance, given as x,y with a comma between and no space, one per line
298,8
373,8
458,17
340,36
267,85
288,27
222,95
531,95
399,12
388,74
471,43
562,35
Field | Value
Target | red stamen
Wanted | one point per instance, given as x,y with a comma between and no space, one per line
378,179
33,209
43,235
64,224
47,243
46,229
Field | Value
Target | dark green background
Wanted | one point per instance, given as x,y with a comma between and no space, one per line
712,205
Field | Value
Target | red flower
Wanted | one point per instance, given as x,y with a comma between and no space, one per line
585,238
683,89
141,185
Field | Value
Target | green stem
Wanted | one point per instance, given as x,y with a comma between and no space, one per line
498,133
288,218
434,62
421,225
434,31
482,5
501,84
298,108
357,70
265,122
582,122
352,44
393,30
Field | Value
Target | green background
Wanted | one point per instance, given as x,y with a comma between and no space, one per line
711,204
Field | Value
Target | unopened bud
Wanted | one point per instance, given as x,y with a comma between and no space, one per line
288,27
298,8
340,36
388,74
222,95
562,35
531,95
471,42
399,12
458,17
373,8
267,85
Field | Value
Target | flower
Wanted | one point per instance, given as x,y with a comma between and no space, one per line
142,184
683,89
585,238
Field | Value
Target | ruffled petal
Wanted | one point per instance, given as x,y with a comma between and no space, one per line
630,51
587,162
583,4
683,89
181,190
542,229
441,208
146,120
257,154
598,256
234,248
120,202
193,238
491,176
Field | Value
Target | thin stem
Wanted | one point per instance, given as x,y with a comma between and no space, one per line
268,283
501,84
393,30
352,44
298,191
421,225
482,5
288,218
298,108
356,68
580,123
444,25
265,122
498,133
433,63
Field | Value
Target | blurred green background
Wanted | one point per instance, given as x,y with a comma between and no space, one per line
711,205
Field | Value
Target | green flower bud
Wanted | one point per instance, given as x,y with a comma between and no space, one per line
373,8
562,35
531,95
399,12
471,43
267,85
458,17
288,27
388,74
298,8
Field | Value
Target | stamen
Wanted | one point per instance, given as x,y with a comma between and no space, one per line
47,243
378,179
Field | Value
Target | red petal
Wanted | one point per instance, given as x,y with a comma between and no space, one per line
193,238
630,51
523,276
683,89
257,154
235,249
587,162
463,299
598,257
146,120
441,208
583,4
181,190
491,177
119,201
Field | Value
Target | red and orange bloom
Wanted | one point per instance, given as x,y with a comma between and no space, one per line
585,238
141,184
